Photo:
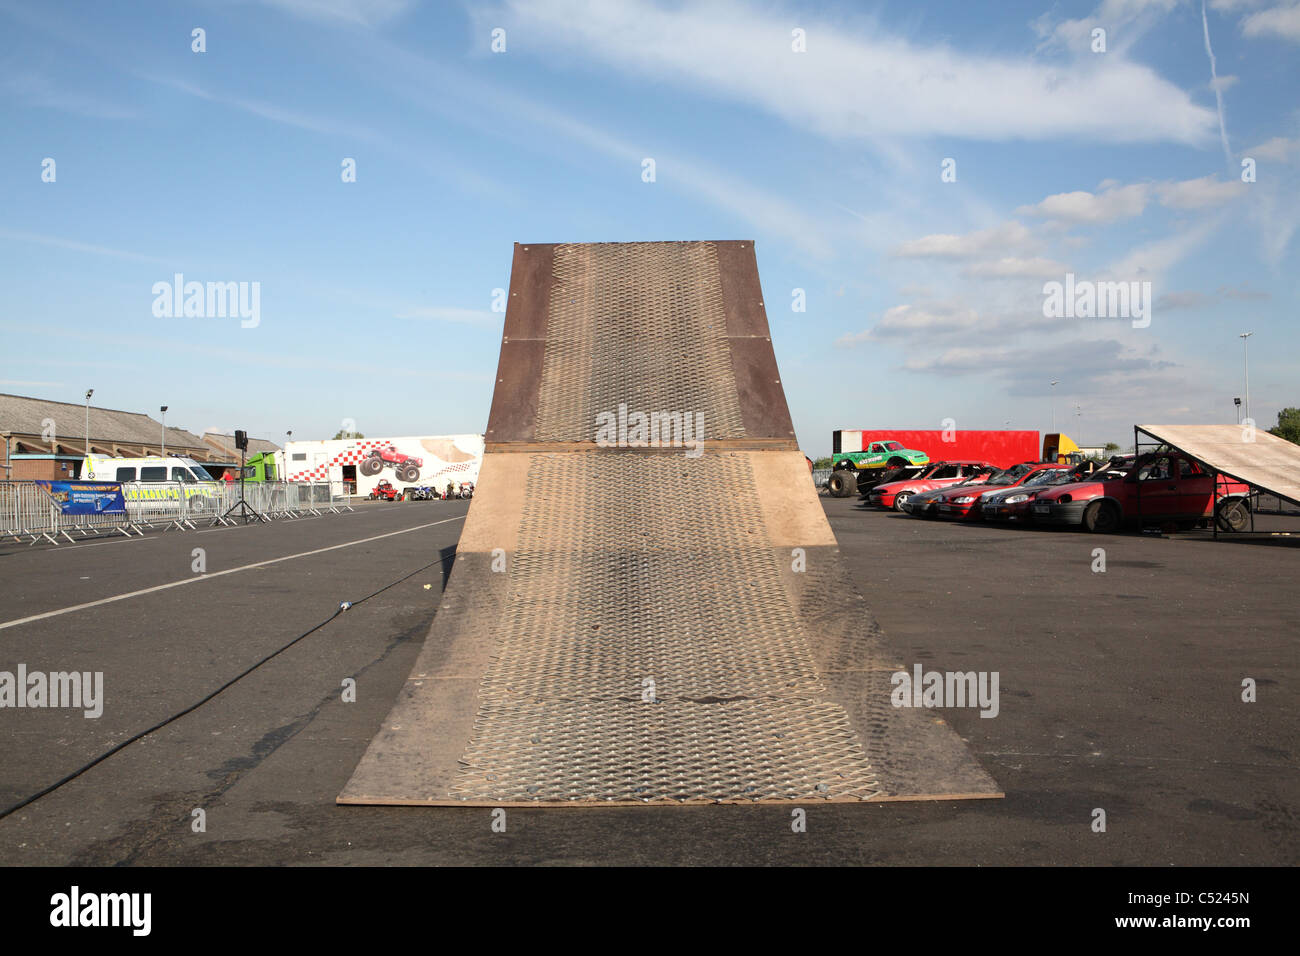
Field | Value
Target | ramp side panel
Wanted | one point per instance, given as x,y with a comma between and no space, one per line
758,381
513,416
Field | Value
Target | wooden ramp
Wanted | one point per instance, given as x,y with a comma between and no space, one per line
1254,456
669,623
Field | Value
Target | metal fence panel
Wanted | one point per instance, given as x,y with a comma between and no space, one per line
28,513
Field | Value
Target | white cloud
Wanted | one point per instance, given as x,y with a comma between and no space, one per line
1199,193
1155,258
861,82
1012,268
1086,360
1279,148
1125,21
1182,300
1109,205
1190,299
1113,203
1283,22
363,12
1001,238
1227,6
905,319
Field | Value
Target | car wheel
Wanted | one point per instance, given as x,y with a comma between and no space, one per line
1101,517
897,463
1233,515
842,484
900,500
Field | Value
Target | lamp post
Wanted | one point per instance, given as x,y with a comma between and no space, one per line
1054,384
163,409
1237,402
89,392
1245,360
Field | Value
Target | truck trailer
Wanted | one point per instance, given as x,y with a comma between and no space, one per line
851,451
355,466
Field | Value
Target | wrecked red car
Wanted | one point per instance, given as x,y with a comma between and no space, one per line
1161,488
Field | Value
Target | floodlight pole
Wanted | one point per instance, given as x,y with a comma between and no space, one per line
89,392
1245,359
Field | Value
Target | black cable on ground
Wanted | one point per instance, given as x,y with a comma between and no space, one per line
345,605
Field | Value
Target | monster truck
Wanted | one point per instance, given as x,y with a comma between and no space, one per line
405,467
881,455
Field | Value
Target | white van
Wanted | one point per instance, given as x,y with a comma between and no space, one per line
152,469
155,478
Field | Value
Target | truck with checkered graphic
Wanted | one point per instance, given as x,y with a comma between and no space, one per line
355,466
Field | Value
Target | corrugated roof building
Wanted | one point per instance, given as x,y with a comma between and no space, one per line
39,434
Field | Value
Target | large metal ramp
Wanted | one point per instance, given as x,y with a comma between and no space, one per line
649,625
1254,456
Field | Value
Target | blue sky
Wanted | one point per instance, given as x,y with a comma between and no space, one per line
924,297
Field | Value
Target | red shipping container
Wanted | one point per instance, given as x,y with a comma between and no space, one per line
997,447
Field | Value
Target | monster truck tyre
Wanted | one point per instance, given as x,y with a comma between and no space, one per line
842,484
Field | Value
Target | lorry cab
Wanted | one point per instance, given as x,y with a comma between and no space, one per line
1061,449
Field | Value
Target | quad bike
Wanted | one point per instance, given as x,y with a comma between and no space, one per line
404,466
386,490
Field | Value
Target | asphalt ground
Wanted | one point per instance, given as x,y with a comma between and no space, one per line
1120,690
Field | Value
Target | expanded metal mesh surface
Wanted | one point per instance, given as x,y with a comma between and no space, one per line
674,751
638,324
627,570
647,649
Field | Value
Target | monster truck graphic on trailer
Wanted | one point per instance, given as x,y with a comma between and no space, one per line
405,467
878,455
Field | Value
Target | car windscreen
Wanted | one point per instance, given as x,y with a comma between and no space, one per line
1052,476
1011,475
891,446
201,473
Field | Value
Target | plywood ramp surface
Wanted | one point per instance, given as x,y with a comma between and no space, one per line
635,625
1248,454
